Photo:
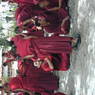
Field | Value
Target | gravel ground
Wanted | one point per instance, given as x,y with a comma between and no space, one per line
80,79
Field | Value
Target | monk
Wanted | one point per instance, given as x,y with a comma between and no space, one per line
53,5
43,93
25,12
34,80
34,47
53,22
10,56
60,7
57,62
29,45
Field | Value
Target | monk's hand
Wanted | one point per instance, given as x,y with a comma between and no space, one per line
64,20
49,62
38,63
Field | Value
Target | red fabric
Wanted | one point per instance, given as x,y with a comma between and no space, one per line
9,54
55,19
36,80
24,13
23,46
59,93
52,45
9,60
55,3
45,67
61,62
21,68
15,83
18,10
20,93
42,46
37,33
27,2
27,12
49,93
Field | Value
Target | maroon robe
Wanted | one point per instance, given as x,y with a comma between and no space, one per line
44,93
10,56
59,93
42,47
24,2
9,60
61,62
25,12
20,93
36,80
55,3
55,19
35,32
47,93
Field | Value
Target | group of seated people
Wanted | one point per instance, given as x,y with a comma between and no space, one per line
41,45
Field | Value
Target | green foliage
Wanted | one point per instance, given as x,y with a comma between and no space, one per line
7,17
6,79
4,43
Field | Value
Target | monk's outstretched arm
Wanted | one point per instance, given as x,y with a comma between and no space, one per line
25,36
49,63
27,21
28,37
28,56
22,34
56,8
63,23
64,20
60,3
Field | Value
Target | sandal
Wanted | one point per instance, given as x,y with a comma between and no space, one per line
76,46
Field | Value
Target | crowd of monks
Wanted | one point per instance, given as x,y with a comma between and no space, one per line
39,46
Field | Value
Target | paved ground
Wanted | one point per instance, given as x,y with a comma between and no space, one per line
80,79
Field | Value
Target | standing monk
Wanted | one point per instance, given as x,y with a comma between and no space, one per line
33,47
53,5
52,22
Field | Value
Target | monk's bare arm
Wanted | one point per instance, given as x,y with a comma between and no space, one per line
56,8
27,21
25,36
29,56
64,20
60,3
28,37
22,34
49,63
